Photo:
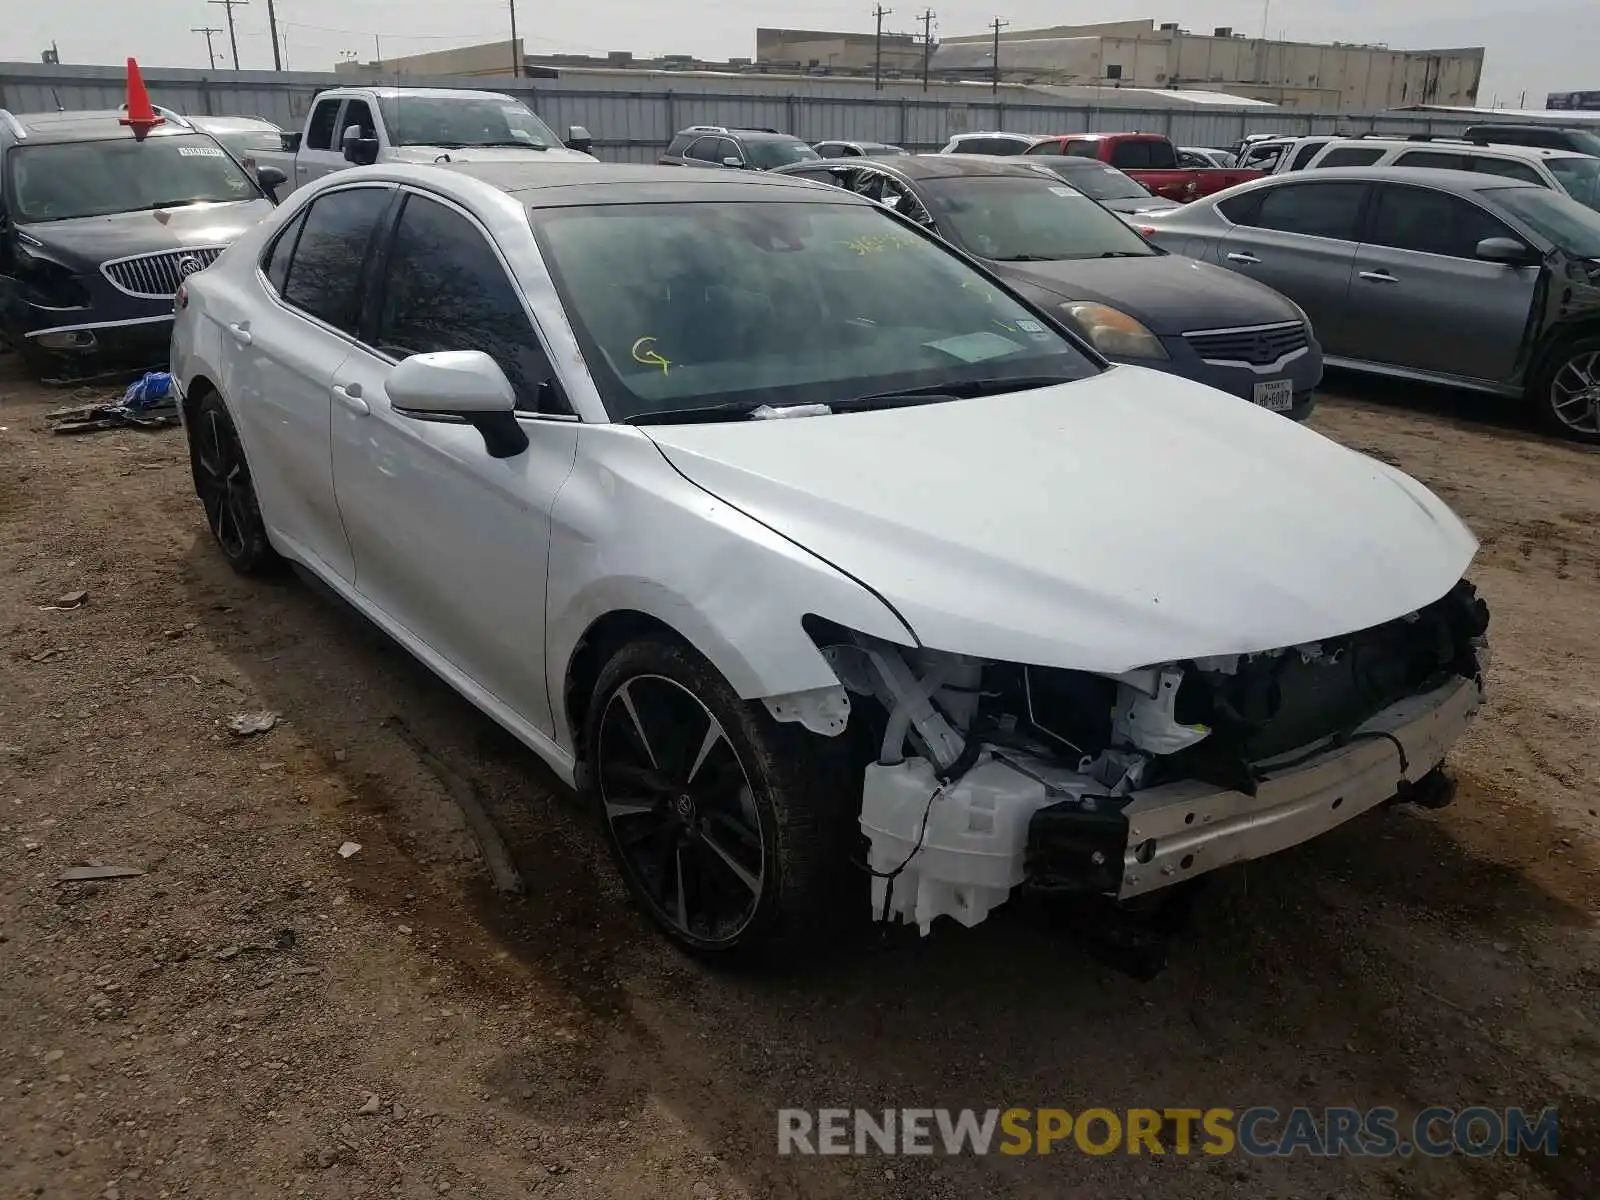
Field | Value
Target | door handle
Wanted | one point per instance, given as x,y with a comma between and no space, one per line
1238,257
1377,277
301,168
349,395
241,332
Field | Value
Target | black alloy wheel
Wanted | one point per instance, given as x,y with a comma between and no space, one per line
222,481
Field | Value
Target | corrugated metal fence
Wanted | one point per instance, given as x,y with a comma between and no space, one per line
633,115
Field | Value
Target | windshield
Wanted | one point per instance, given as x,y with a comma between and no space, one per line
696,305
464,121
90,179
1557,218
1098,181
1579,177
774,152
1018,219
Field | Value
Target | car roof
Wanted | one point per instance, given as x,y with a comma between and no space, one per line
395,93
84,125
1021,137
232,124
934,166
1454,181
564,183
1448,144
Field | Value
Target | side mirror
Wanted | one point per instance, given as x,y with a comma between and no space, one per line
271,179
1505,250
359,151
291,141
578,139
459,387
733,161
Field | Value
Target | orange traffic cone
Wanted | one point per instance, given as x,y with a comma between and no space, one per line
141,116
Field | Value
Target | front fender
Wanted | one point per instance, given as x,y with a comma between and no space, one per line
629,533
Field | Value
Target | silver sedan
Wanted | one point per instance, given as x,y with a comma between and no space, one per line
1476,281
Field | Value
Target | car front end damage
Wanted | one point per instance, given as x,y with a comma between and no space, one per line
992,776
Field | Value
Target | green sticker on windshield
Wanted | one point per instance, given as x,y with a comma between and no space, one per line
974,347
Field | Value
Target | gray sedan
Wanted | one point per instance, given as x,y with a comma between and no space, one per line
1133,301
1477,281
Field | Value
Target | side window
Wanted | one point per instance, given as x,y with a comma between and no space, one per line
275,263
1241,209
1188,160
1326,210
1304,155
1130,156
1420,219
1432,158
1053,146
1508,167
445,289
358,114
325,273
319,133
727,148
679,144
849,152
702,150
1350,156
1162,156
830,150
1083,148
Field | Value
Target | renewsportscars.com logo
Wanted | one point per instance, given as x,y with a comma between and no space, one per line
1260,1132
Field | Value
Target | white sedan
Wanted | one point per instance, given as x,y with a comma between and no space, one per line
787,533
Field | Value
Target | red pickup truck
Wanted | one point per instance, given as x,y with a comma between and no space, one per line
1149,158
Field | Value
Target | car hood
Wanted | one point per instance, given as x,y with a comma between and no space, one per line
1168,293
86,242
486,154
1125,520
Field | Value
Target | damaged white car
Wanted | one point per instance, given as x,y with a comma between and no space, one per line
803,545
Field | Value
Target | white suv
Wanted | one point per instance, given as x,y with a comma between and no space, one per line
1563,170
991,143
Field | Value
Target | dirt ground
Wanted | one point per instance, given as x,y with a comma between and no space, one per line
216,1026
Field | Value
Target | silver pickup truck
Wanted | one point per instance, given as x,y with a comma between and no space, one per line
357,126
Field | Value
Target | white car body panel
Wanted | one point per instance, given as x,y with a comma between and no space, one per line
1227,533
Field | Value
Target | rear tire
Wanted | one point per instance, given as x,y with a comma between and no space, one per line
222,481
1566,391
732,831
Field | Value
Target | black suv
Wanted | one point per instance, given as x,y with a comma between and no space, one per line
1546,137
735,149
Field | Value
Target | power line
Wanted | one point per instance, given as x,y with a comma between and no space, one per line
211,55
880,12
233,38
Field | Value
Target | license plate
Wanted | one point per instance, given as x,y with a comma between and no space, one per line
1276,395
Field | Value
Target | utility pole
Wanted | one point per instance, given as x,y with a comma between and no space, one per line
880,12
998,26
233,38
377,48
211,55
516,58
272,28
927,44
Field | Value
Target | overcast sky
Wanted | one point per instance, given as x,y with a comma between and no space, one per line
1542,47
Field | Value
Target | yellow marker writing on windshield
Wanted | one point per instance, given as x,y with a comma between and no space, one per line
644,351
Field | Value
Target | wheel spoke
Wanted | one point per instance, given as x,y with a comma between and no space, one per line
625,694
618,809
714,735
683,897
750,881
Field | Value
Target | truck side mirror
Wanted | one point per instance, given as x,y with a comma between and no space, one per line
359,151
578,139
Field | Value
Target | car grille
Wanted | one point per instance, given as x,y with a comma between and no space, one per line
157,276
1260,345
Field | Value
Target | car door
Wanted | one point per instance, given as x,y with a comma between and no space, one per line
1299,238
1422,298
450,543
319,152
283,350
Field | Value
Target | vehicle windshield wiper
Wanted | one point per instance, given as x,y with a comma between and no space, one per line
517,142
178,203
1026,258
1126,254
966,389
693,416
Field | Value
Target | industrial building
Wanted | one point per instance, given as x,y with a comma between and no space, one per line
1302,75
805,49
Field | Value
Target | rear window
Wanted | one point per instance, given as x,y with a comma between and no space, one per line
767,153
1143,155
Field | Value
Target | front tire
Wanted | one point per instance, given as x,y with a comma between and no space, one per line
222,481
732,831
1566,391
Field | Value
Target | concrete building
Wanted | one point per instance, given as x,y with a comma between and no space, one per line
1303,75
807,48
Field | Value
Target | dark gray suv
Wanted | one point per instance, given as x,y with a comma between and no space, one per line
735,149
